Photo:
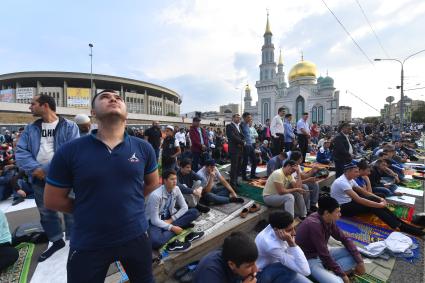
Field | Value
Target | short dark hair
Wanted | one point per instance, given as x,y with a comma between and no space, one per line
234,115
245,114
327,203
289,163
305,113
281,109
167,173
239,248
185,162
280,219
342,126
46,99
288,115
97,94
296,155
267,120
363,165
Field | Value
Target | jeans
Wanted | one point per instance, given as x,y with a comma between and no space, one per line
5,185
387,192
92,266
277,273
314,194
249,153
217,195
50,219
292,203
288,146
26,187
322,275
160,236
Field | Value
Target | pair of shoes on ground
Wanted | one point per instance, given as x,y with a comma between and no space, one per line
236,200
179,246
202,208
253,208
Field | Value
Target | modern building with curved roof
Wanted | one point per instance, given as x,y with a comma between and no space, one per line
301,91
73,90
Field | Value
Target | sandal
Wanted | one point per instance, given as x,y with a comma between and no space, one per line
244,213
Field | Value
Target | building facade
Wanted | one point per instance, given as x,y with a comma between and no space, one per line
73,90
344,114
304,91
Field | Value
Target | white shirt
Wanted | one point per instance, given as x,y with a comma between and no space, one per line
339,188
47,141
271,249
301,124
237,126
276,126
181,137
203,173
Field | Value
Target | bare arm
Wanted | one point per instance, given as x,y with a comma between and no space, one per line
57,199
281,190
151,182
356,198
227,186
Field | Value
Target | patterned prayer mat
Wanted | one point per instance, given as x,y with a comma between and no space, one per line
364,234
230,208
260,183
18,272
366,278
403,212
414,184
252,192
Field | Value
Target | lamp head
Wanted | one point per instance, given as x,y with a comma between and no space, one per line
91,45
376,59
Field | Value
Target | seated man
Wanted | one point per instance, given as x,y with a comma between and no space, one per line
8,253
282,191
394,165
235,262
324,155
266,153
276,162
354,201
378,174
279,257
309,182
328,264
189,184
212,193
165,220
6,181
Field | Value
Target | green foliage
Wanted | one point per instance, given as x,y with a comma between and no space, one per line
418,116
172,114
372,120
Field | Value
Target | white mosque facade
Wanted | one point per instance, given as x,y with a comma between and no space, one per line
305,92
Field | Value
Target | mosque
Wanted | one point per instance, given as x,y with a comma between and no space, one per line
304,92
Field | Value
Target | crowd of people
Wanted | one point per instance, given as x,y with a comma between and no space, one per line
105,181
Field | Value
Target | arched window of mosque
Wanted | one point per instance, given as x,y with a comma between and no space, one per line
266,111
314,114
299,107
320,115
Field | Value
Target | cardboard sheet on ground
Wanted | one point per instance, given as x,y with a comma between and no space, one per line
6,205
405,200
53,269
411,192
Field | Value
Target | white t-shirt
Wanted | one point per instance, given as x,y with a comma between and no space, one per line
47,150
339,188
203,173
181,138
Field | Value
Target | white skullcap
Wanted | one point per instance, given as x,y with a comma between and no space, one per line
81,119
170,127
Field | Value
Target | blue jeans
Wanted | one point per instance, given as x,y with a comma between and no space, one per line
26,187
161,236
5,186
217,195
277,272
322,275
249,153
50,219
92,266
388,192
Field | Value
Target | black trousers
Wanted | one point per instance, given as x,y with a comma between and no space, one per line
353,208
339,168
303,144
278,144
249,154
235,165
92,266
288,146
8,255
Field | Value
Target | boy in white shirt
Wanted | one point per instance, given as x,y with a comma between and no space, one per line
279,257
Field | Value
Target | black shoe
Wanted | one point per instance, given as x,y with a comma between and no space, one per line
18,200
190,225
411,230
202,208
177,246
193,236
313,208
59,244
237,200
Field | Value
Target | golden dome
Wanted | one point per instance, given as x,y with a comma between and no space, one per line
247,88
303,69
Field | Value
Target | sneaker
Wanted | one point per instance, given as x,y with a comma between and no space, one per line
237,200
17,200
177,246
193,236
202,208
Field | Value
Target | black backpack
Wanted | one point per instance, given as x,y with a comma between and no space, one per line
29,232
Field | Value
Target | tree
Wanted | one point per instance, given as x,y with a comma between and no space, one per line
418,116
371,120
172,114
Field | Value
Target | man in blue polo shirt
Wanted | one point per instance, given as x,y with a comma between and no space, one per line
111,173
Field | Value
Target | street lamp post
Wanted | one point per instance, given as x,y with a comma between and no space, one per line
91,69
402,82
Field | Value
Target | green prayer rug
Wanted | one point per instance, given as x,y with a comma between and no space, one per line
18,272
251,192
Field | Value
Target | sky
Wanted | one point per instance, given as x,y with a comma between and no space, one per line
208,50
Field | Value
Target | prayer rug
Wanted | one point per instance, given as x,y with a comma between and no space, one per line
252,192
364,234
18,272
414,184
231,207
260,183
366,278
